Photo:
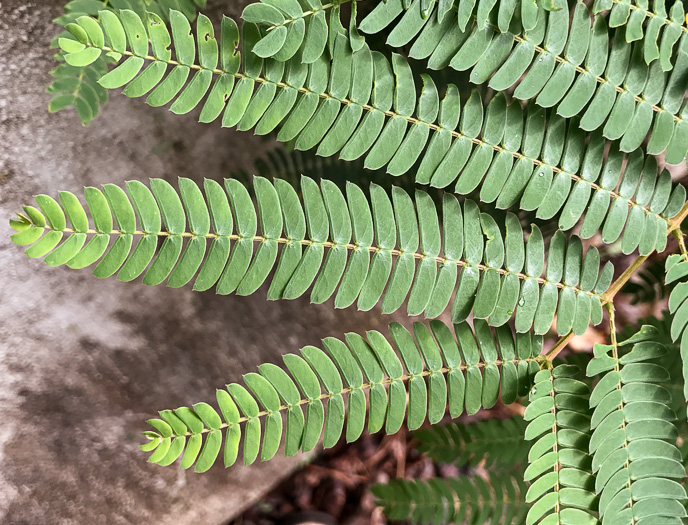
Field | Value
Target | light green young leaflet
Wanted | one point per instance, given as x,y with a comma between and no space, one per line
387,249
514,161
405,378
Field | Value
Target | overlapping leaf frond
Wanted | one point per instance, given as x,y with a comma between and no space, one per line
658,30
677,270
515,19
576,69
498,442
516,161
466,499
78,87
421,379
625,85
637,465
559,471
499,277
435,19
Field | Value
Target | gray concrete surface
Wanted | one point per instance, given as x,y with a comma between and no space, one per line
84,362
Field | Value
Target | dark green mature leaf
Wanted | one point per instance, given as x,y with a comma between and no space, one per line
497,441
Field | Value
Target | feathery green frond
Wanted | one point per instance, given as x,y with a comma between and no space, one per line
661,32
576,68
290,28
421,379
467,499
677,270
515,161
432,21
625,85
637,465
499,442
499,275
561,483
78,86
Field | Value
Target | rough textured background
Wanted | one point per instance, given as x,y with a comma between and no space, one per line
83,362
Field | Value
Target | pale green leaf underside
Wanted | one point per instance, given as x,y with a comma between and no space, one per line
637,467
561,482
364,107
455,372
391,250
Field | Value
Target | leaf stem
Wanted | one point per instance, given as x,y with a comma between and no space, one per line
441,260
608,296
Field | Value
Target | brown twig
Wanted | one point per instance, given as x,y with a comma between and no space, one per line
674,225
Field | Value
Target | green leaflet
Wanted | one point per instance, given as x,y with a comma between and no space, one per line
78,86
231,256
530,172
329,376
633,440
453,500
559,473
